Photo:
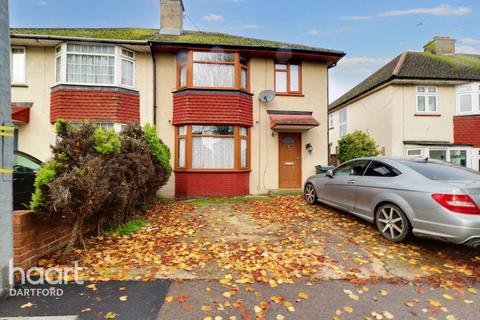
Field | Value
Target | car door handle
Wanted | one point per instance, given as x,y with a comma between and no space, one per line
353,181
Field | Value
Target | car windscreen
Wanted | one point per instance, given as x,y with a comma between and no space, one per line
441,171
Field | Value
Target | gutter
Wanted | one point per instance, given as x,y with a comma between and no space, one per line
312,51
80,39
154,61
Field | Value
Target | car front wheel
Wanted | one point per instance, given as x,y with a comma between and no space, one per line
310,194
392,223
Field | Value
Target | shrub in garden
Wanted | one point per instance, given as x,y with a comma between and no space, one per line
356,144
100,175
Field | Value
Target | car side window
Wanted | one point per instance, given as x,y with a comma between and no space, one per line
354,168
379,169
24,165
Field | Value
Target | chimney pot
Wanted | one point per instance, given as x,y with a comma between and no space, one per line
440,45
171,17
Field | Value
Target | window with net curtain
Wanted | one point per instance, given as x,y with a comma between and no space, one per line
211,69
213,147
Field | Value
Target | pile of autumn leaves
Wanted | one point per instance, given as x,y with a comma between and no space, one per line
174,245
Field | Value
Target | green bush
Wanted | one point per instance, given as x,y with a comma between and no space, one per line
106,141
159,150
100,175
355,145
45,175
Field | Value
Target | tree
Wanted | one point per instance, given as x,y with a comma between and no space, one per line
355,145
99,175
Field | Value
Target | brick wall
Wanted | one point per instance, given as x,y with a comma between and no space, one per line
101,104
34,238
220,184
212,107
467,130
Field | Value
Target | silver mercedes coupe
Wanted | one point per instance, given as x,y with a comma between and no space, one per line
404,196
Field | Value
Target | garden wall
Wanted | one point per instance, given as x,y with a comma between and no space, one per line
34,238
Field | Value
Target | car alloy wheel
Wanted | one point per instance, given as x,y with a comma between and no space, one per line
392,223
310,193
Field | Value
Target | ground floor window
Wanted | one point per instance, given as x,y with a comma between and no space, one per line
456,155
207,147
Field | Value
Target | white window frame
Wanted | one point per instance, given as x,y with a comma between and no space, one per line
426,94
126,58
414,149
343,125
331,121
472,89
425,152
61,50
24,65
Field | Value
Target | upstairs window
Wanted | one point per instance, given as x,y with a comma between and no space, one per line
213,70
18,65
343,122
92,64
426,99
468,98
288,78
206,69
331,121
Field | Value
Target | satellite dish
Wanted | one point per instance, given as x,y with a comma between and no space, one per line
266,96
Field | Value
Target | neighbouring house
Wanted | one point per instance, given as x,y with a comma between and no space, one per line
419,104
200,89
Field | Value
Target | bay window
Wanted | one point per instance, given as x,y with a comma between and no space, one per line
207,147
288,78
93,64
206,69
18,65
426,99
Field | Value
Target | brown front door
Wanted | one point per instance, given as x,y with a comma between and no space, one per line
290,160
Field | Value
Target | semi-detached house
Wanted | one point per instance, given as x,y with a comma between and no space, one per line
418,104
201,90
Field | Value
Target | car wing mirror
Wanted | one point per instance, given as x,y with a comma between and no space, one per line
330,173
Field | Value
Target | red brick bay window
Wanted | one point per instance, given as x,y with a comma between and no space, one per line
212,160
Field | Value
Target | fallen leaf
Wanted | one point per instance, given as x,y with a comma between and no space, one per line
303,295
206,308
169,298
383,293
123,298
472,290
387,315
111,315
27,305
348,309
447,296
434,302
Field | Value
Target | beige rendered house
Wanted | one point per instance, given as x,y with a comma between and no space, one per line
419,104
205,93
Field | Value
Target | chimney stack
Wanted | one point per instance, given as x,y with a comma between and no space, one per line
171,17
440,45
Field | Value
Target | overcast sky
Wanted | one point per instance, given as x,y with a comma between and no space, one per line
371,32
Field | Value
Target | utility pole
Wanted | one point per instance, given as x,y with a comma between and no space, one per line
6,151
